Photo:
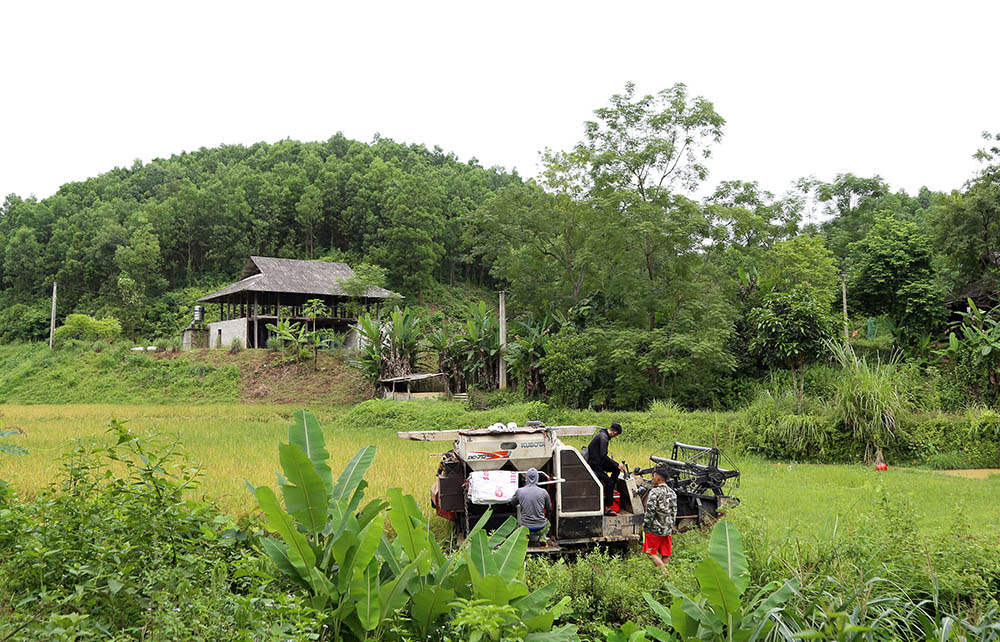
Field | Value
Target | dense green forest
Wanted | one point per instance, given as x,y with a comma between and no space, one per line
627,287
139,237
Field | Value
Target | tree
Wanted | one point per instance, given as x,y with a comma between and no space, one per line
752,220
637,153
539,243
309,213
410,244
315,308
141,260
850,204
132,303
366,276
892,274
21,261
801,261
789,330
966,225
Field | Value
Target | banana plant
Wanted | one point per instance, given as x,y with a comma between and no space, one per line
337,551
718,611
981,333
486,567
294,334
390,348
326,543
480,346
443,342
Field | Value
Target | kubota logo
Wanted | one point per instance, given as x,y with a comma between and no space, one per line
500,454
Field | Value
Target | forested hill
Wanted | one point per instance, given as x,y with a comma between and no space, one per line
194,218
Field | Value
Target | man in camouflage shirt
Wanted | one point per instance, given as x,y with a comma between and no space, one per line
658,524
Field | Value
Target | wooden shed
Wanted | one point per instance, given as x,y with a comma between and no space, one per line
272,290
416,386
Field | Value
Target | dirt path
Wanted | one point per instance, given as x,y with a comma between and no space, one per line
972,473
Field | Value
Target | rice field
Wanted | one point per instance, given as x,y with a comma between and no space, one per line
237,442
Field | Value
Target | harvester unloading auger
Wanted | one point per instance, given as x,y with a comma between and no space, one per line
485,467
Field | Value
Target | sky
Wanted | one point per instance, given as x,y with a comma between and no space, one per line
899,89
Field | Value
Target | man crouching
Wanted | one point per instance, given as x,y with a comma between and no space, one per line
658,524
534,504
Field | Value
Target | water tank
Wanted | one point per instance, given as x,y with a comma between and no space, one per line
199,314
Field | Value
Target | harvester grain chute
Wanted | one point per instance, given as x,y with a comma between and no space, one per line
485,466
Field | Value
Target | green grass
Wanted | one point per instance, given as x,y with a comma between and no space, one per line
31,373
234,442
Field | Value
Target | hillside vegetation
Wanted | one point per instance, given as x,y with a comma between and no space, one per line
33,374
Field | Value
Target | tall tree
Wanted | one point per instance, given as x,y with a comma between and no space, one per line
638,152
21,262
892,274
789,330
966,225
141,260
539,243
309,213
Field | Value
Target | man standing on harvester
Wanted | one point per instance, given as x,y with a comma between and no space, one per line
606,469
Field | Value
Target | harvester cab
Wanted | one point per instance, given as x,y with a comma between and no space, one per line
485,467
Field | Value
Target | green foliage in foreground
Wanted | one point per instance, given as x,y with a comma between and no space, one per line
118,550
31,373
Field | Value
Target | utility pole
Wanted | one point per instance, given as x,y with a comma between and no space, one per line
503,339
52,320
843,290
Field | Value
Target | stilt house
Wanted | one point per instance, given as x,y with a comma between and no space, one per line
273,290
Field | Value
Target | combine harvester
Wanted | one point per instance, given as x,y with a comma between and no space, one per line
485,467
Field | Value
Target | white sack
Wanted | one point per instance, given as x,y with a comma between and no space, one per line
492,486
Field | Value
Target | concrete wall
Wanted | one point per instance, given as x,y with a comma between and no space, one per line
194,338
232,329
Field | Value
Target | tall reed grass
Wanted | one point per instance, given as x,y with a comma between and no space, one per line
870,398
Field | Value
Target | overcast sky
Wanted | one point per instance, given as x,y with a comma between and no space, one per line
901,89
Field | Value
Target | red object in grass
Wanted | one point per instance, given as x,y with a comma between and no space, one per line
881,466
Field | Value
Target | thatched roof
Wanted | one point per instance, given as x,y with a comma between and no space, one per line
315,278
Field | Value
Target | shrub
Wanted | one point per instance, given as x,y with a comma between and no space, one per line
605,588
948,461
984,423
118,546
236,346
770,426
568,367
488,399
85,328
274,344
23,323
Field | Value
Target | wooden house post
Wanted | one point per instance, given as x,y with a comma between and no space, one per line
256,333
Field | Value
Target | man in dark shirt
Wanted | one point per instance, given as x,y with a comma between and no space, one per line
606,469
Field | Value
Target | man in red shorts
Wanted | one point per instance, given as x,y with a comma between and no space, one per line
661,512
